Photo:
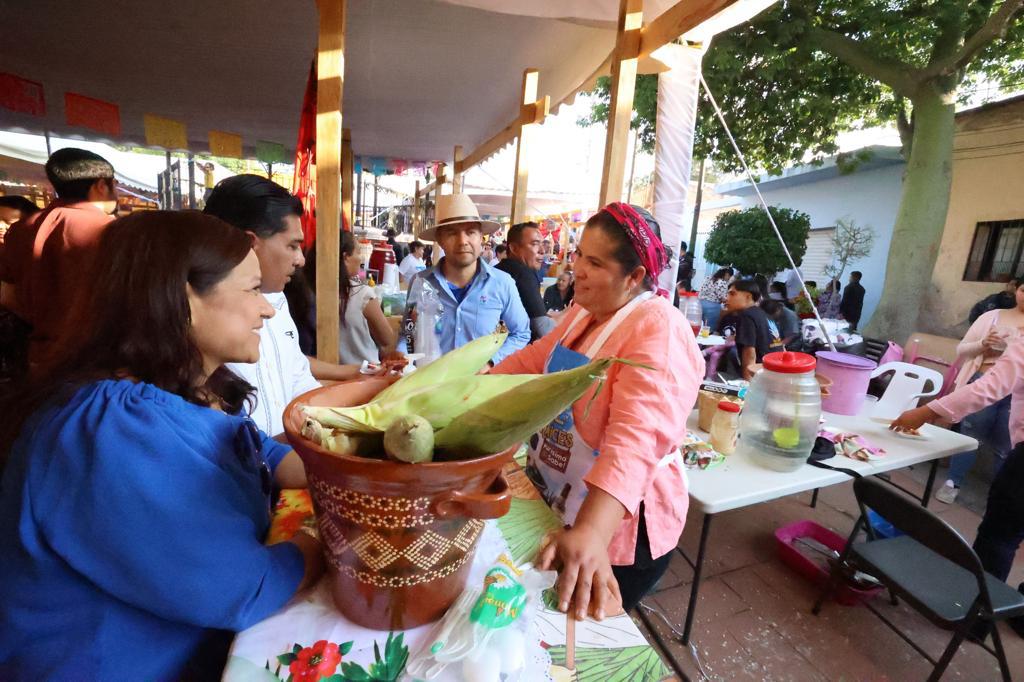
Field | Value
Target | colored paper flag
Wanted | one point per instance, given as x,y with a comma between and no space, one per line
225,144
270,152
92,113
21,95
164,132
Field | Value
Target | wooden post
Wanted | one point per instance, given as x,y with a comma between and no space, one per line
620,106
456,173
330,79
416,221
522,172
347,171
438,183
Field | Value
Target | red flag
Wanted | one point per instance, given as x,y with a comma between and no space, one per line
104,117
21,95
304,180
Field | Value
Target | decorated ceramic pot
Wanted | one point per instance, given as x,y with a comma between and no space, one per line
398,538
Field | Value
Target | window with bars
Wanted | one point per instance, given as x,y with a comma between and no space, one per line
996,252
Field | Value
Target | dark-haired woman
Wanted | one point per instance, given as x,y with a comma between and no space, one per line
365,333
134,499
611,467
712,295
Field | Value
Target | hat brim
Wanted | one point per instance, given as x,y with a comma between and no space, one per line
486,227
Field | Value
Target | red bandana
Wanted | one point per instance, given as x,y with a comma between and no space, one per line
646,244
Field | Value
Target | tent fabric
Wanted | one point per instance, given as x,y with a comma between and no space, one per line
421,76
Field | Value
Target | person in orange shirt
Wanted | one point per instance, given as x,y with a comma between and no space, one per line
611,468
47,258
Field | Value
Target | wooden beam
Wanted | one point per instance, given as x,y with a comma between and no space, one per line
521,180
456,174
330,80
675,21
347,173
620,107
416,219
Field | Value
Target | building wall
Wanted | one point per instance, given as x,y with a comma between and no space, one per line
988,184
869,197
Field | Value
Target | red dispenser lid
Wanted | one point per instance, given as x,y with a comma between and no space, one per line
788,362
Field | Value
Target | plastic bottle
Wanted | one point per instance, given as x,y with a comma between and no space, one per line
781,412
690,305
725,427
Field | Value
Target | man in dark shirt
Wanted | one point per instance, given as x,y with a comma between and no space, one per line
685,276
853,300
524,258
746,323
1004,300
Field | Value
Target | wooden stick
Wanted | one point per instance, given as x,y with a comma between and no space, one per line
570,637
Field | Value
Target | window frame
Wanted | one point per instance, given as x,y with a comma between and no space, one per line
983,270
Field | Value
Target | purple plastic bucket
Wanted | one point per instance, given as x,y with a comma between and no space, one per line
850,375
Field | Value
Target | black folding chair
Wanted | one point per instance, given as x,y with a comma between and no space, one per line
932,567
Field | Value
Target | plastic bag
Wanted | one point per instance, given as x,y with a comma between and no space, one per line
422,322
483,635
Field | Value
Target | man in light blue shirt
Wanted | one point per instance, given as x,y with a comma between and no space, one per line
474,296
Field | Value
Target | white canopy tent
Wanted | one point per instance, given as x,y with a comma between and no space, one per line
420,76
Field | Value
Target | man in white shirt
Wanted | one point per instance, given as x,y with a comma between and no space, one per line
413,263
271,216
792,279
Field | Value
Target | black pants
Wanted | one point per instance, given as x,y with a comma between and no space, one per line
1002,528
639,578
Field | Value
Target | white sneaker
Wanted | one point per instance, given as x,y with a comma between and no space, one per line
947,493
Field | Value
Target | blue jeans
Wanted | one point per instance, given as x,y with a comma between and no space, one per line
989,425
711,311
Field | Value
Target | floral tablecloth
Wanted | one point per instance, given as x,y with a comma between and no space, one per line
309,640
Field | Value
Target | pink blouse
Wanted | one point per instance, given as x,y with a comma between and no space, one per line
638,417
1005,378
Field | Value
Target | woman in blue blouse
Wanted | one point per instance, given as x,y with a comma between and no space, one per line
134,500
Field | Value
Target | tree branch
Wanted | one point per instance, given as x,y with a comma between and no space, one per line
993,28
897,75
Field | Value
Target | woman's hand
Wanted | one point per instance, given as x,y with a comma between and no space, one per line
913,419
585,578
993,341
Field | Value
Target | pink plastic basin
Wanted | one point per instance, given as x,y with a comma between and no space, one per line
798,561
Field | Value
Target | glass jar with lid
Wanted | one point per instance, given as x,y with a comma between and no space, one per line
779,422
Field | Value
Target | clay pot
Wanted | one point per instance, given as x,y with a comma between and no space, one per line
398,538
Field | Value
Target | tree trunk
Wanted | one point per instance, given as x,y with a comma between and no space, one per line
920,220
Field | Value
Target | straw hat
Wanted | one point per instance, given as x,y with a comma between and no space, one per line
457,209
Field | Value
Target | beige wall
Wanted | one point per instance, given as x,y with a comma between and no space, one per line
988,184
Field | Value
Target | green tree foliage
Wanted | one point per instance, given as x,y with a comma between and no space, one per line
803,71
746,240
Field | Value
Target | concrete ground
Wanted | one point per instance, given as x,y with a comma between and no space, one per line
753,619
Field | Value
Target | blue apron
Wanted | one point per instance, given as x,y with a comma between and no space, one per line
559,459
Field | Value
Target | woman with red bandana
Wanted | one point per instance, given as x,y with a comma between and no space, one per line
610,465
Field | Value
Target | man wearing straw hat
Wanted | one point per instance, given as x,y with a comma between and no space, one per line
474,296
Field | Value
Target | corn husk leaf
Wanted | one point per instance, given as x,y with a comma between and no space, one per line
515,415
464,361
439,404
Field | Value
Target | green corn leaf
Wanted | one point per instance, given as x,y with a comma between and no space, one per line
515,415
463,361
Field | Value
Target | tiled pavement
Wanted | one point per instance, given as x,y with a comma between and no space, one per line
753,618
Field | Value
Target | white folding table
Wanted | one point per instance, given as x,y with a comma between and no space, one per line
740,481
